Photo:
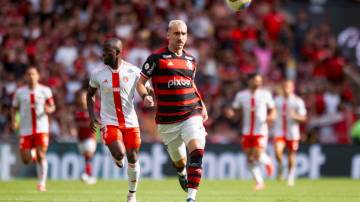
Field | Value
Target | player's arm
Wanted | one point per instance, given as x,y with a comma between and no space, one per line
204,109
14,124
300,114
90,100
50,106
145,92
271,115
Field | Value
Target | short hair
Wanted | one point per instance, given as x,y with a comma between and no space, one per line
176,22
33,67
114,43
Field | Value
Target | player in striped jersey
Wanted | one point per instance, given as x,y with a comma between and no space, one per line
34,102
292,111
180,110
116,82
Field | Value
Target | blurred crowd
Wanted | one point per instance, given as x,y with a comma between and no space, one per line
63,39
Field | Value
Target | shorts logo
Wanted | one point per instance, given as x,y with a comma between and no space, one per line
179,82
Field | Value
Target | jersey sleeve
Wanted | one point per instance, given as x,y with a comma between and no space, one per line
149,66
93,81
237,101
301,110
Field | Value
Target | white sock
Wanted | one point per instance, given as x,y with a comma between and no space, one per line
256,173
41,169
133,175
291,176
192,193
264,158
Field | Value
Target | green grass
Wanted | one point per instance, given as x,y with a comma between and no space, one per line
322,190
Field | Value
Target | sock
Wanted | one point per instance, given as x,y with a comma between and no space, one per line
192,193
264,158
194,171
256,173
291,176
133,176
88,166
41,169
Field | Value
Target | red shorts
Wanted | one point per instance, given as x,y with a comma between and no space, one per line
292,145
129,136
253,141
32,141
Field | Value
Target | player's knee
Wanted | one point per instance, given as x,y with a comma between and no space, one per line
26,160
132,156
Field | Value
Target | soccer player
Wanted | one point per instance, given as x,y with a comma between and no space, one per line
34,102
180,110
116,82
257,110
292,111
86,137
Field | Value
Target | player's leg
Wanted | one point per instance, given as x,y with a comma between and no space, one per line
292,147
42,142
26,149
132,143
261,155
87,149
113,139
193,133
170,135
253,155
279,146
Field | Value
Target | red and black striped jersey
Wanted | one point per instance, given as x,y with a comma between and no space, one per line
172,78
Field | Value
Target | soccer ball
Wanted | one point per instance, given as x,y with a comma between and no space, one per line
237,5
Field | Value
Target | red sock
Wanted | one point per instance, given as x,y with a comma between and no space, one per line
88,169
194,170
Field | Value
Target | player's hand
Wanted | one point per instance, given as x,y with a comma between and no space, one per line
94,123
49,109
148,101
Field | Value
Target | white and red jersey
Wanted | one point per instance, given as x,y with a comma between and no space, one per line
255,108
31,104
117,90
284,125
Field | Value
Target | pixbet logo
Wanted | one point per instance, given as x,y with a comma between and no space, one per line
179,82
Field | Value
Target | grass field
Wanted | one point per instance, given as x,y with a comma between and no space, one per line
323,190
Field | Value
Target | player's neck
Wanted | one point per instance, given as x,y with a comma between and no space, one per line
177,52
116,67
253,90
32,86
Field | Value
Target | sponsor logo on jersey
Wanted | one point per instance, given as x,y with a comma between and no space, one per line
116,89
179,82
170,64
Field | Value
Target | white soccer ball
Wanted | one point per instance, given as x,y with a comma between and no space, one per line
238,5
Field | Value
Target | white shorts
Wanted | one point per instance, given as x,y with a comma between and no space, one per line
176,135
87,145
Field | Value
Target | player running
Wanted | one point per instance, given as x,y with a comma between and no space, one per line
119,123
257,110
86,137
180,110
292,111
34,102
